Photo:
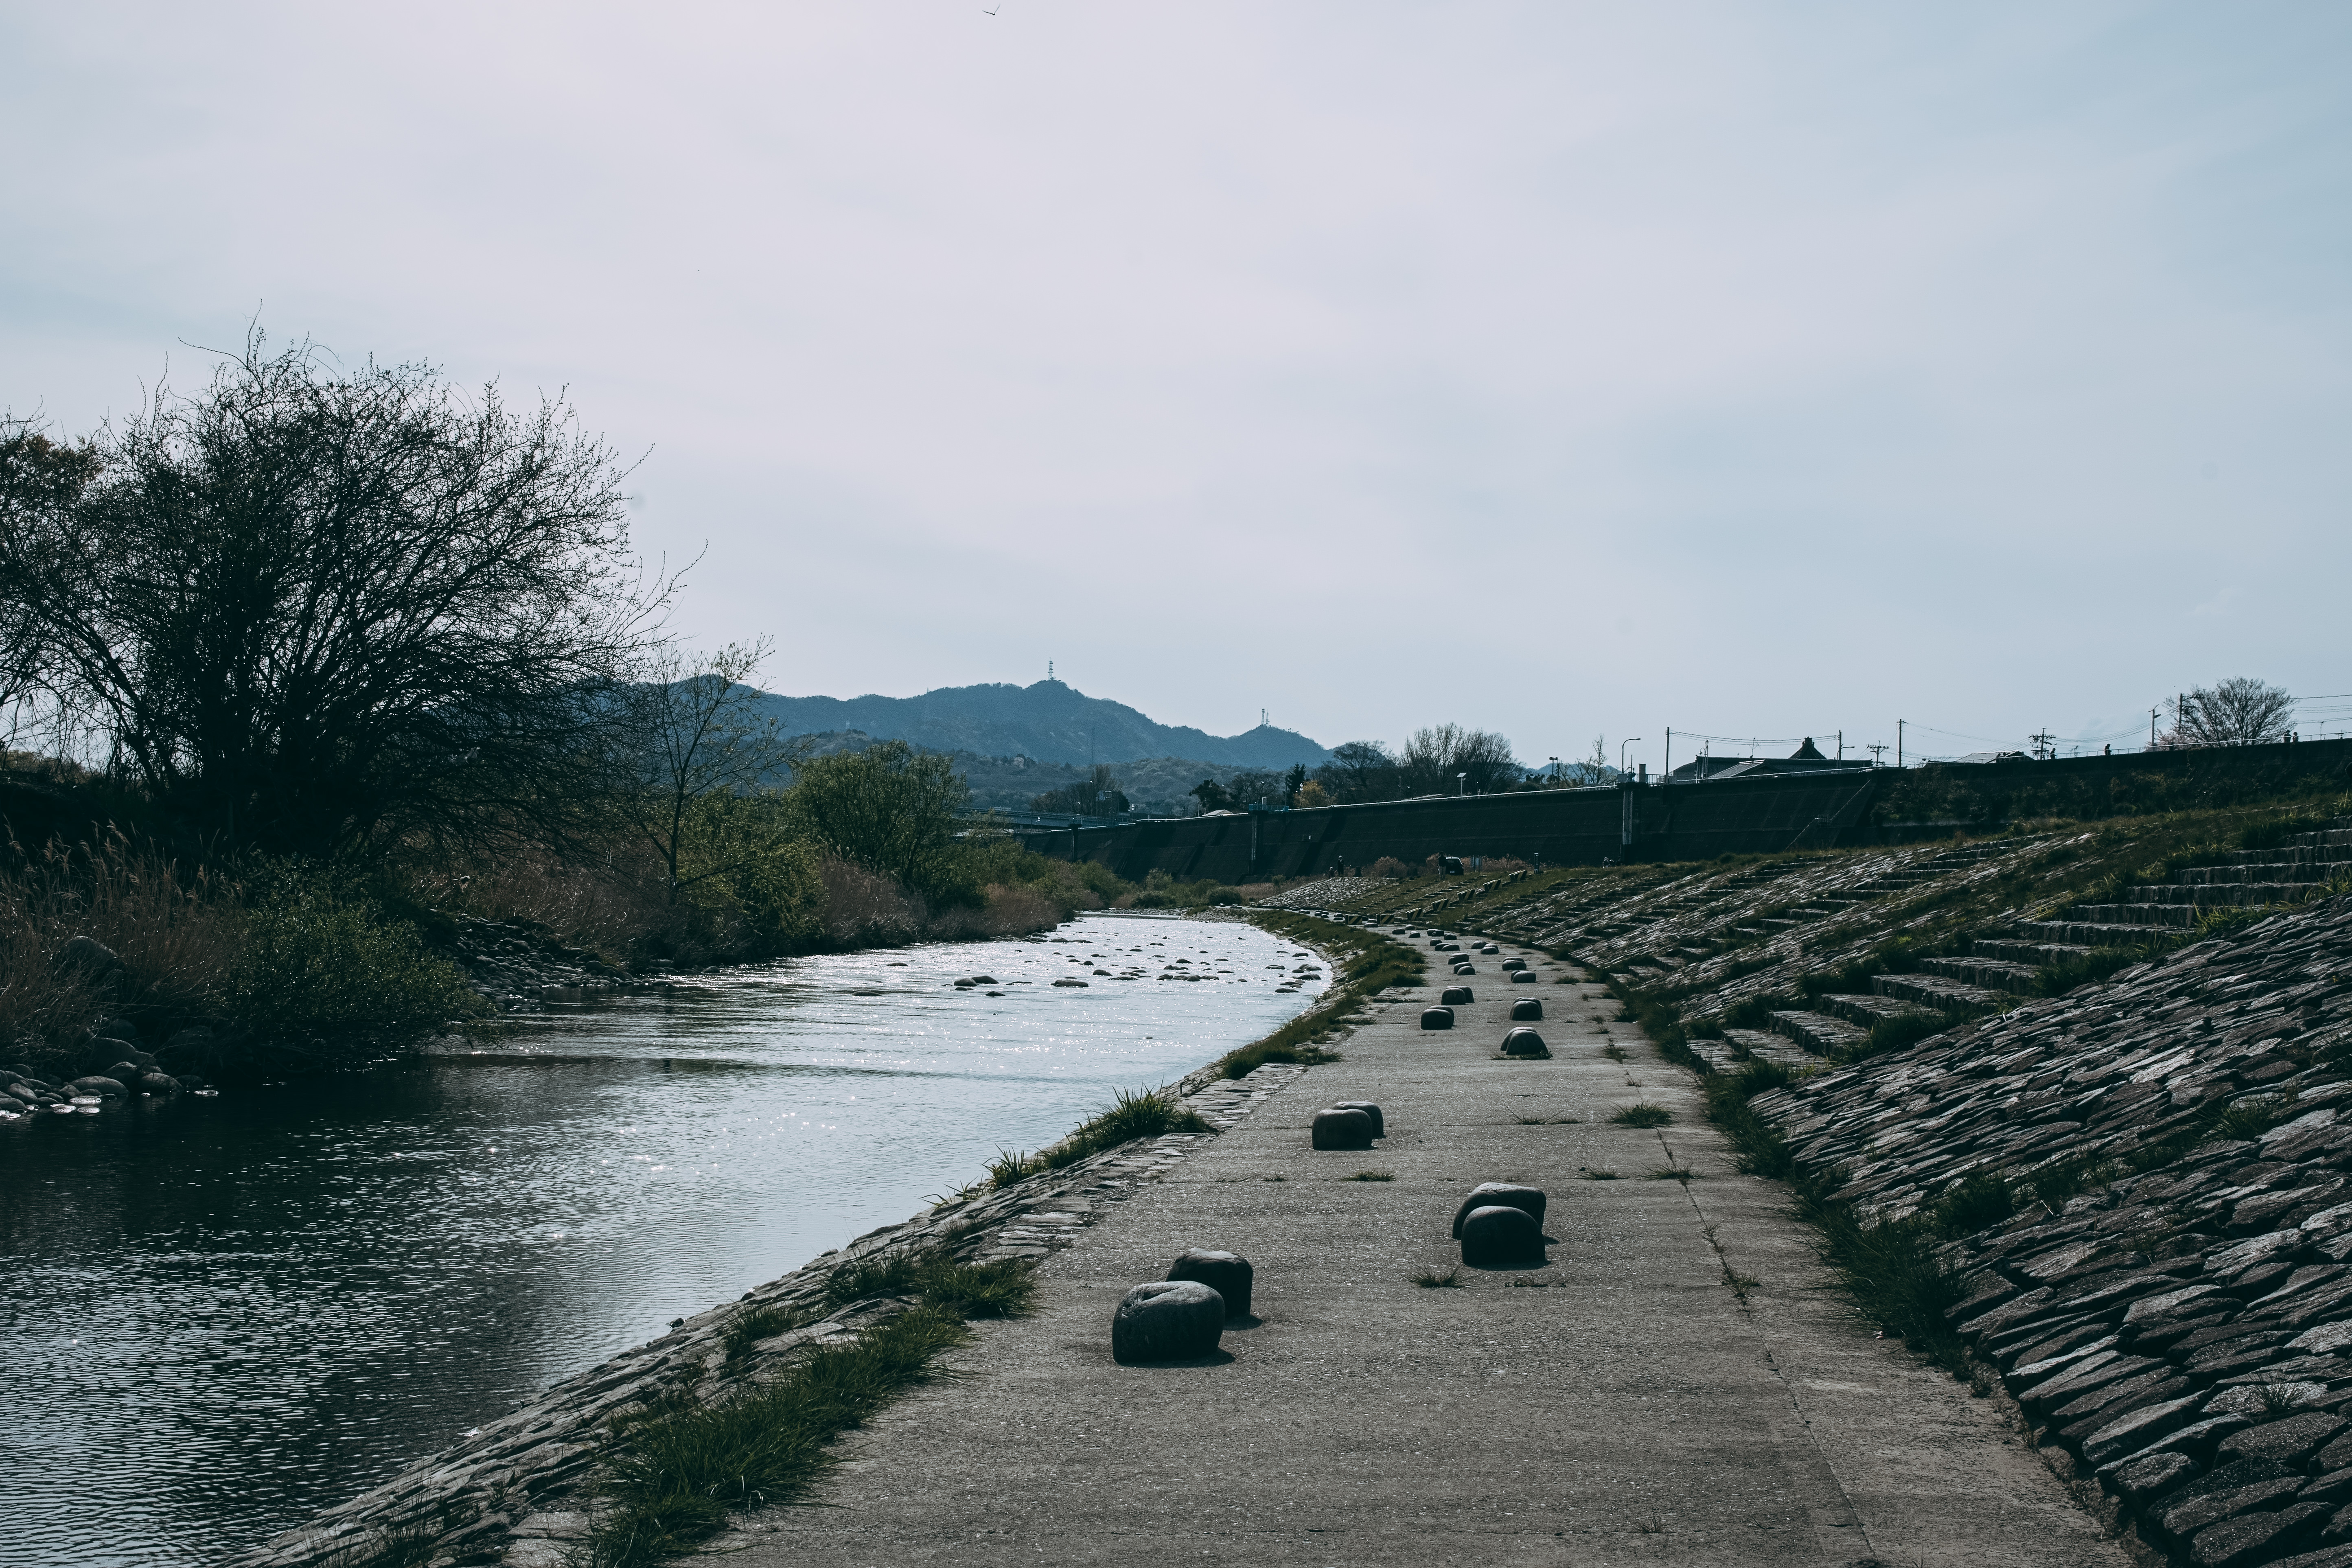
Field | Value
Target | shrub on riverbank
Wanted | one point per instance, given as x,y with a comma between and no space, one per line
314,960
115,930
1148,1114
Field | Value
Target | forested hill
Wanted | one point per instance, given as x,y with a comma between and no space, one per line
1050,722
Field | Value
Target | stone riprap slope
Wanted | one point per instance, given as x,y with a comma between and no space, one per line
1801,956
1320,895
521,1490
2179,1323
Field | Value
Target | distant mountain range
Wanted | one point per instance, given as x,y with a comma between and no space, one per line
1047,722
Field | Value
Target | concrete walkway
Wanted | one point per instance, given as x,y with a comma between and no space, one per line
1638,1400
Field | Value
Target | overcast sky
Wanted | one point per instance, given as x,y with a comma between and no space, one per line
1559,369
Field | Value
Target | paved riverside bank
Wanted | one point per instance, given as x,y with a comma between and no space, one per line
1639,1400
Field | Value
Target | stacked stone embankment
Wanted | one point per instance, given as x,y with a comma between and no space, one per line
2171,1301
522,1490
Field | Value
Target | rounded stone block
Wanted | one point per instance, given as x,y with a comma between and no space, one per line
1515,964
1168,1320
1337,1128
1524,1041
1456,996
1526,1009
1227,1273
1509,1195
1437,1017
1523,977
1379,1123
1498,1237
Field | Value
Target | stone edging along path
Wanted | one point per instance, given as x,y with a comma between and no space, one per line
508,1488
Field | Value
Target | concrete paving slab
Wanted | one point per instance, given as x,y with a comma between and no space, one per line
1678,1385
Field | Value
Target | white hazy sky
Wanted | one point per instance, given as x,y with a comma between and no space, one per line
1562,368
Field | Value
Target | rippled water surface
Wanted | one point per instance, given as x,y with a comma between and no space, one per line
220,1315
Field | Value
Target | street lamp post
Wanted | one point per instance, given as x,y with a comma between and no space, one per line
1461,783
1621,755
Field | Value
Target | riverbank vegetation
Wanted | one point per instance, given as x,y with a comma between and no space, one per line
303,670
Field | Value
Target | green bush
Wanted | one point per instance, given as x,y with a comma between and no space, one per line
328,962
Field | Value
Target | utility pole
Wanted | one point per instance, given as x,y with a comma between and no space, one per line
1667,772
2151,727
1876,752
1840,756
1898,743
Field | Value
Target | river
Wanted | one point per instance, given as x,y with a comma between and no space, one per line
222,1315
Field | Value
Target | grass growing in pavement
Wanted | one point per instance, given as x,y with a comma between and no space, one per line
1597,1174
683,1467
1643,1116
1888,1270
1431,1279
1369,1176
750,1325
409,1546
1001,1289
1148,1114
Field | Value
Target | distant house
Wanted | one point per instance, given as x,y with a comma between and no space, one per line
1805,759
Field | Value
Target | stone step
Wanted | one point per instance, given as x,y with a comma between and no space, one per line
1936,991
1762,1046
2329,846
1866,1008
2018,950
1819,1032
2088,933
1991,973
2266,869
2170,915
1716,1054
2219,896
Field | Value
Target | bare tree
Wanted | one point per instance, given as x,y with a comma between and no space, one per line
696,733
1359,770
2238,711
1447,758
309,611
1096,795
1596,769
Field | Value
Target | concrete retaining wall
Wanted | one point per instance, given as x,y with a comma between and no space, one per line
1698,821
1563,828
